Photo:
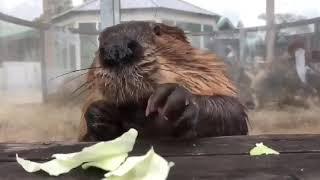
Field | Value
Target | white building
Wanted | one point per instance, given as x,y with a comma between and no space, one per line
87,18
174,12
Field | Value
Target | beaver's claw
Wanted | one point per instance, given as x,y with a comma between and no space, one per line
101,121
176,104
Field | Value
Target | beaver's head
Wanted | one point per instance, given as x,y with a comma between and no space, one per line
136,56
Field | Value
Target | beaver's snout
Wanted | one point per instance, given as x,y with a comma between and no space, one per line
120,52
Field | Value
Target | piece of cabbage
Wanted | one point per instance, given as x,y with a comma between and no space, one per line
146,167
105,155
261,149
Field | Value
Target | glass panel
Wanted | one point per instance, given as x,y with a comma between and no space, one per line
275,68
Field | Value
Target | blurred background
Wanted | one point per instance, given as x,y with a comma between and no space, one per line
271,48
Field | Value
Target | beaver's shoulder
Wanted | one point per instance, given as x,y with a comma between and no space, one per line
200,71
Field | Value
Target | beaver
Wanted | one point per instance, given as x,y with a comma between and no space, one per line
148,76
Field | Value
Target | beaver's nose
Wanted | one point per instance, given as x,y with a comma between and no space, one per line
119,54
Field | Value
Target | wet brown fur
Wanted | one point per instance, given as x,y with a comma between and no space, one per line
168,58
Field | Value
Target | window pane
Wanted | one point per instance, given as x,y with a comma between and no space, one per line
168,22
207,28
87,27
189,27
89,44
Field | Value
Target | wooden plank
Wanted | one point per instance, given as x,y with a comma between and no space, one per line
237,145
286,25
284,163
210,158
14,171
285,166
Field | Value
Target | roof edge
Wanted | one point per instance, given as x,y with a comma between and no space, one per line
75,9
199,7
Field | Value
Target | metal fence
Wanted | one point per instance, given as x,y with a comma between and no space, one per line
41,51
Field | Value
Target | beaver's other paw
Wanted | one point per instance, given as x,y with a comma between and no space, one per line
101,119
176,104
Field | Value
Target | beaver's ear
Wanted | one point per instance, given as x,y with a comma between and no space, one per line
160,29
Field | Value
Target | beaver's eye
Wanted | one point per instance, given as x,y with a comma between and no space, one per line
157,30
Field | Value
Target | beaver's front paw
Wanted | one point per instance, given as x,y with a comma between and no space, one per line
175,104
101,121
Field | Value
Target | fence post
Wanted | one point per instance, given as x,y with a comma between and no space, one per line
270,36
242,44
43,49
109,13
317,35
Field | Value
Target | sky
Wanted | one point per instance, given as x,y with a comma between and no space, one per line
245,10
248,10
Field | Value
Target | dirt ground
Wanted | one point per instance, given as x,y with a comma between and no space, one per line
285,121
38,122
